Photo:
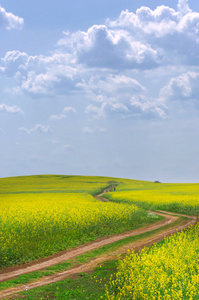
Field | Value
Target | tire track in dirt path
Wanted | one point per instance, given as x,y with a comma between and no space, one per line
13,272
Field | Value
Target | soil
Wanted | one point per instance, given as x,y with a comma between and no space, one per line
63,256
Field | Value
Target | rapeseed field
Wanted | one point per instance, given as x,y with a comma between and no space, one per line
182,198
42,215
44,219
169,271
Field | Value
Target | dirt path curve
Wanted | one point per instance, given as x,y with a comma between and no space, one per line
13,272
99,196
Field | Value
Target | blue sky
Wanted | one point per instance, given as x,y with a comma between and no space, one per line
100,88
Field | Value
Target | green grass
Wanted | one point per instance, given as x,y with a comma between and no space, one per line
85,286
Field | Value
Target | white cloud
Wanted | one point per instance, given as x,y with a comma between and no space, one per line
97,111
10,21
68,109
4,108
138,107
103,47
182,87
146,21
141,40
123,96
149,108
41,74
57,117
64,113
183,6
111,88
101,63
172,34
37,128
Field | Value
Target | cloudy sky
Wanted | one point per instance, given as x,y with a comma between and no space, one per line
100,87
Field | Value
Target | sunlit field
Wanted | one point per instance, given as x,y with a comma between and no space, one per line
169,271
182,198
42,215
36,223
53,183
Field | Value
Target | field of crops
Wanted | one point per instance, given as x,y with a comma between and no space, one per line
41,215
182,198
169,271
54,184
35,224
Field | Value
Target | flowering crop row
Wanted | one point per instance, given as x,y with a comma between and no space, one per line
175,198
164,272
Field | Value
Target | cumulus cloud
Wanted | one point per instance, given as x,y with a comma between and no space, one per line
122,96
41,74
102,62
147,108
183,6
103,47
183,87
4,108
111,88
135,40
37,128
63,114
13,62
172,34
10,21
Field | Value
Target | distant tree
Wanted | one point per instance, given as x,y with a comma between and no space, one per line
157,181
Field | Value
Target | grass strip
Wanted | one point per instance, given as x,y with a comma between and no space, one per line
82,287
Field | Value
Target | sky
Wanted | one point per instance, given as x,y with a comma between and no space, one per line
106,88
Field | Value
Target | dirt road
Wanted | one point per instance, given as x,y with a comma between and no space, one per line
13,272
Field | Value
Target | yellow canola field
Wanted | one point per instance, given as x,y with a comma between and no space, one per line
176,201
164,272
40,224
